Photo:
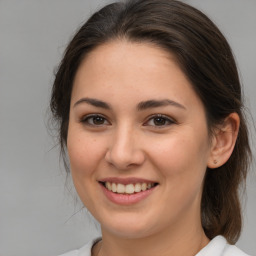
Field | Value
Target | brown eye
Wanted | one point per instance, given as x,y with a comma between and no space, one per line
159,121
95,120
98,120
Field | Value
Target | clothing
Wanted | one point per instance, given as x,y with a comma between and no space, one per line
217,247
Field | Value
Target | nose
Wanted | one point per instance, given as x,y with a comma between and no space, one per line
125,150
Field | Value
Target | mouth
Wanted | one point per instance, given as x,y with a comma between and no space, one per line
127,191
130,188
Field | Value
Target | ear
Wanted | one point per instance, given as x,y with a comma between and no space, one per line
223,141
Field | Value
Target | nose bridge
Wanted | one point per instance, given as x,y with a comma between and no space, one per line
124,150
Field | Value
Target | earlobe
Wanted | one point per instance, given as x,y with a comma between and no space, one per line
224,141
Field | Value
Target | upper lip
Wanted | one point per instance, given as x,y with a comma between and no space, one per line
125,181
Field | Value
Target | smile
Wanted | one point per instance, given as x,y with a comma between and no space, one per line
127,191
129,188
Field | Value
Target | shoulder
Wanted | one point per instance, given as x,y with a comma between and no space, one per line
84,251
220,247
71,253
232,250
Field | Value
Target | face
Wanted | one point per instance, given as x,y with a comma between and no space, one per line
138,141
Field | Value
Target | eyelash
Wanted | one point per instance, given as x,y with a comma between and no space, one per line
86,120
163,118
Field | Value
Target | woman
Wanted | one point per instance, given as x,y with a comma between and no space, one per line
149,106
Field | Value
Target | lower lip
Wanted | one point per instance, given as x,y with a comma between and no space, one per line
126,199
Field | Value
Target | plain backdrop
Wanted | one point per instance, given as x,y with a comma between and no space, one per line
38,215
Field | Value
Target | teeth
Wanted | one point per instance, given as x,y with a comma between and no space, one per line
108,185
129,188
120,188
137,187
113,187
144,186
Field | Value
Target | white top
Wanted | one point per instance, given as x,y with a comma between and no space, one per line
217,247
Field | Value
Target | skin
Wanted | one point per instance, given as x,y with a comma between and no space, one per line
173,151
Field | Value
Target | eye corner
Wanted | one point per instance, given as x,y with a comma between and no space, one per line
95,120
159,121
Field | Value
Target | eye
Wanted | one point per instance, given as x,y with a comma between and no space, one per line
159,120
95,120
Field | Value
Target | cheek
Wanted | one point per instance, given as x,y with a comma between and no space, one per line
84,153
181,163
182,158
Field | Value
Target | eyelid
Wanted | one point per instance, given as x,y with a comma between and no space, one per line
167,118
85,119
170,121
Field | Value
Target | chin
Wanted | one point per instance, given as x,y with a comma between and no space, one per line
128,232
129,227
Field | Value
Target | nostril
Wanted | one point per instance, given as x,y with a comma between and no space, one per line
124,159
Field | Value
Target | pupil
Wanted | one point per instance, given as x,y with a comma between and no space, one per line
159,121
98,120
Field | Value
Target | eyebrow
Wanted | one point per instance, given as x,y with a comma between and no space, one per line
93,102
140,107
158,103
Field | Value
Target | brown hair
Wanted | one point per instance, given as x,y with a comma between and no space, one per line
206,59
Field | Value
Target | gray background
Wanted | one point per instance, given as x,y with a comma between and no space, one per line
37,214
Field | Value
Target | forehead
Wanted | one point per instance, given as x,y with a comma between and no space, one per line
132,70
